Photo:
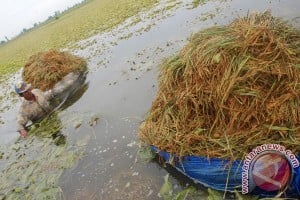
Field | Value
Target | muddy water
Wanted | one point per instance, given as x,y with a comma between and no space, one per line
122,84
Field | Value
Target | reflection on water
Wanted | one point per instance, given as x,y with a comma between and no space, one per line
122,86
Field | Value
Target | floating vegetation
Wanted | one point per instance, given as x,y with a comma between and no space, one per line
196,3
49,126
190,192
44,69
32,167
35,176
229,90
145,153
166,189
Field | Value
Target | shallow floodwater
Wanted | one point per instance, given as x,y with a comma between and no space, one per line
122,83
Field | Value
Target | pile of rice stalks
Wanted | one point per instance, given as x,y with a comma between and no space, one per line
229,90
44,69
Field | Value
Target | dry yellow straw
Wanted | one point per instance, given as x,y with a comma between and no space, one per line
229,90
44,69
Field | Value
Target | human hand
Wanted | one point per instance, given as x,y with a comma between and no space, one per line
23,133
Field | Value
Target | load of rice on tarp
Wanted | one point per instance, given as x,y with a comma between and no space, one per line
231,89
44,69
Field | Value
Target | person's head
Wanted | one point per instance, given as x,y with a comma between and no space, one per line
24,90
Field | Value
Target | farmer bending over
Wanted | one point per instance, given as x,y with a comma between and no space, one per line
36,103
34,106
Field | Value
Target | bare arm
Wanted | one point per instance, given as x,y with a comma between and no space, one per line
22,121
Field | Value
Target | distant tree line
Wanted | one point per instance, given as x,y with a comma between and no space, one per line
57,14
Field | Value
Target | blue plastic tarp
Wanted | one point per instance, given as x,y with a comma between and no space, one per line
221,174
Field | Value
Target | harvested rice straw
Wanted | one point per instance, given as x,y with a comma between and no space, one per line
229,90
44,69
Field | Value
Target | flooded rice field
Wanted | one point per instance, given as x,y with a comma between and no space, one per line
102,119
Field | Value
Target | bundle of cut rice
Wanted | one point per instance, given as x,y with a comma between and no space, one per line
229,90
44,69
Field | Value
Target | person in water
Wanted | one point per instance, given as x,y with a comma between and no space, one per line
36,103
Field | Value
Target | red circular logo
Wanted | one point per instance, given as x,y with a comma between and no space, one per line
271,172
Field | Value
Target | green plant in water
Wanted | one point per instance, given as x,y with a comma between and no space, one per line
145,153
166,189
32,166
49,127
196,3
191,193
